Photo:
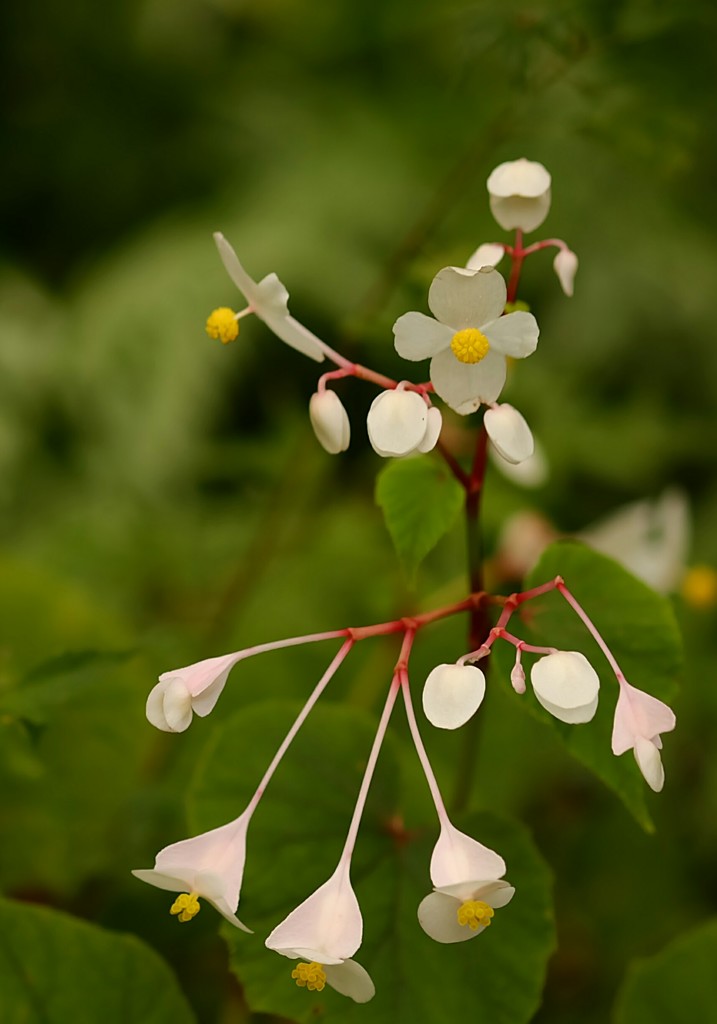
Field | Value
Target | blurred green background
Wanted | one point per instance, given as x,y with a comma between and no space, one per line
162,498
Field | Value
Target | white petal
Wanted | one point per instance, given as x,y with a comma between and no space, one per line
639,714
495,893
397,422
271,297
160,880
487,255
350,979
519,178
233,267
567,686
650,764
458,858
464,386
438,916
452,694
565,266
177,706
295,335
330,421
434,424
466,298
517,212
515,334
417,336
327,924
509,433
155,706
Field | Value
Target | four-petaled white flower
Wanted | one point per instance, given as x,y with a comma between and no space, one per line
567,686
639,720
183,692
468,888
209,866
330,421
519,194
325,931
452,694
268,299
469,339
399,423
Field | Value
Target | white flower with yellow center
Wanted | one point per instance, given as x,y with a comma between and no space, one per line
519,194
468,888
469,339
268,299
639,720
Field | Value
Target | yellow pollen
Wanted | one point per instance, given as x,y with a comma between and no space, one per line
699,586
186,905
310,976
223,324
475,913
470,345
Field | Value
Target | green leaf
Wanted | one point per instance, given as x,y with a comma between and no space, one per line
679,984
420,499
294,844
55,969
639,627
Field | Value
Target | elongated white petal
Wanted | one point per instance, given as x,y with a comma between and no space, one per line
458,858
438,916
467,298
434,424
495,893
567,686
519,177
177,705
519,212
464,386
155,707
417,336
515,334
509,433
397,422
330,421
246,285
487,255
295,335
650,763
565,266
452,694
350,979
326,927
271,297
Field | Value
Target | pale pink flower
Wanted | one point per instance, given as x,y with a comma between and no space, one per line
184,692
639,720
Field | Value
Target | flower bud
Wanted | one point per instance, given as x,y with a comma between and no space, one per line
330,421
452,695
517,678
399,422
509,433
567,686
565,266
519,194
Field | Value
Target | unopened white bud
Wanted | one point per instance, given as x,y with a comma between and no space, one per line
330,421
452,695
519,194
517,678
399,422
509,433
565,266
567,686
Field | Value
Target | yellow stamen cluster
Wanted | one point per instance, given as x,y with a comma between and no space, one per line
475,913
470,345
310,976
223,324
186,905
699,586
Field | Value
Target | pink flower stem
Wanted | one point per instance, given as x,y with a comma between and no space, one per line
421,751
299,721
348,849
548,243
592,629
517,254
521,645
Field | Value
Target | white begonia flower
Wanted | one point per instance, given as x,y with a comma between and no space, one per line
566,685
330,421
519,194
469,339
487,255
452,694
268,299
565,266
509,433
639,720
467,888
326,930
183,692
399,422
208,866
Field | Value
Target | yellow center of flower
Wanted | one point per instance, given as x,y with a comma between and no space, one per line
699,586
470,345
223,324
475,914
311,976
186,905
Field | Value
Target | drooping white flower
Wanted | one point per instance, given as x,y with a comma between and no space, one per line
567,686
565,266
639,720
509,433
467,888
519,194
489,254
399,422
208,866
183,692
325,931
469,339
452,694
330,421
268,299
